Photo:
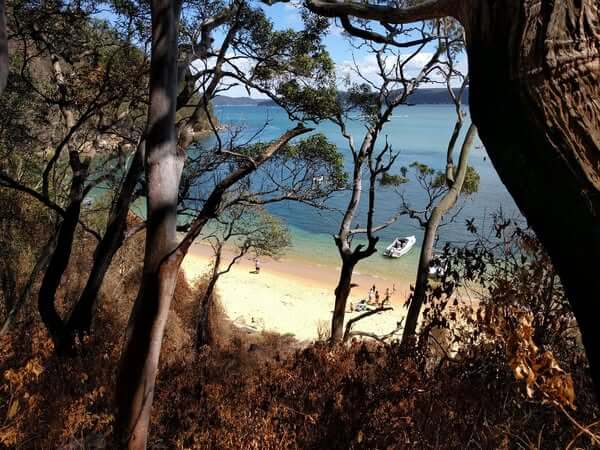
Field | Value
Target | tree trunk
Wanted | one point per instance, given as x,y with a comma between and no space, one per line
535,98
3,47
82,316
40,266
342,292
204,332
8,284
62,253
164,165
445,204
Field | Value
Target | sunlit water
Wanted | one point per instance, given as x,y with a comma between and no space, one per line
421,134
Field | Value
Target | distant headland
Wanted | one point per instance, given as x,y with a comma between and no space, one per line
425,96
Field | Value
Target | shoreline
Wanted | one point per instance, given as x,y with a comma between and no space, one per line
292,295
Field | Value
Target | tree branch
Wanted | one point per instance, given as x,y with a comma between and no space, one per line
425,10
378,38
364,315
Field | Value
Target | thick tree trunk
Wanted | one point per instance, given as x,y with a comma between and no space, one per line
445,204
82,316
3,47
535,98
40,266
164,165
62,253
342,292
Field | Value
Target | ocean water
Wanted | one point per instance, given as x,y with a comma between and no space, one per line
420,133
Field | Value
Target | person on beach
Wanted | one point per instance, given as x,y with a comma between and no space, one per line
386,299
370,296
377,297
257,266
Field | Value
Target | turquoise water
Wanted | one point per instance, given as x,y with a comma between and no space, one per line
421,134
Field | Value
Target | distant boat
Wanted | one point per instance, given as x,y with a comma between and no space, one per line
400,247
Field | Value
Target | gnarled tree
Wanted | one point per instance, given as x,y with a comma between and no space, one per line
534,97
376,100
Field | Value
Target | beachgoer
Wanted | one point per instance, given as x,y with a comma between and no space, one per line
257,265
386,299
371,295
377,297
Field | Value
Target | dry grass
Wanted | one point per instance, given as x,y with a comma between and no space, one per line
262,391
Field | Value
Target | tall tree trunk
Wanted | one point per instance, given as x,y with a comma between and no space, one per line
342,292
40,266
3,47
80,321
62,253
164,165
204,332
445,204
535,98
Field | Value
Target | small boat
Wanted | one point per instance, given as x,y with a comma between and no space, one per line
400,246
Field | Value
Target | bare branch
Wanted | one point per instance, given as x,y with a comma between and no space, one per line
362,316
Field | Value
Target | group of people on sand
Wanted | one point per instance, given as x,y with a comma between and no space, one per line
374,299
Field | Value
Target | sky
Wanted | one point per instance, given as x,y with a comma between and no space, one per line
345,56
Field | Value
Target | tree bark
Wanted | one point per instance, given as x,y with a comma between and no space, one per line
446,203
204,333
62,253
164,165
342,292
3,47
82,316
535,98
40,266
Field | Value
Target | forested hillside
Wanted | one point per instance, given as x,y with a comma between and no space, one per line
151,290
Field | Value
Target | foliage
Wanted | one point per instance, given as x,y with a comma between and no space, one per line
251,229
276,394
388,179
292,66
268,235
470,185
521,314
323,156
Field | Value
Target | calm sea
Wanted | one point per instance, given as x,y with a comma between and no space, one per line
421,134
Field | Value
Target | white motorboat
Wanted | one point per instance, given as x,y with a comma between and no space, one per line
400,247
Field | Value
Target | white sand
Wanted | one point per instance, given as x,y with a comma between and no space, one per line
291,296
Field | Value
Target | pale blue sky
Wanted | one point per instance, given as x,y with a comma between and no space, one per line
287,15
344,55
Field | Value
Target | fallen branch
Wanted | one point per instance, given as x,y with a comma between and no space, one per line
364,315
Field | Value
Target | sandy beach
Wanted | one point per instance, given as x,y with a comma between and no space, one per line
292,296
